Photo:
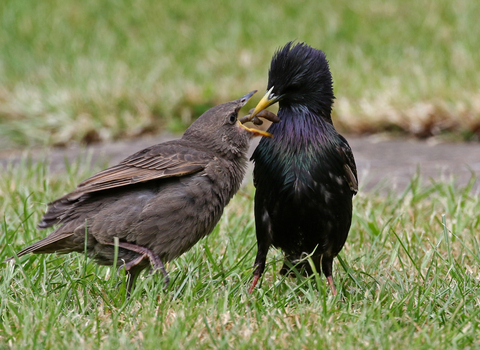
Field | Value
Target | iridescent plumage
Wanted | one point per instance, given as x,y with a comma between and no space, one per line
305,175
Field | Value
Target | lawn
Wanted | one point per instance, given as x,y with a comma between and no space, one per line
87,71
408,278
100,70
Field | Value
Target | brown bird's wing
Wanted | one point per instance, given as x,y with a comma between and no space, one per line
159,161
169,159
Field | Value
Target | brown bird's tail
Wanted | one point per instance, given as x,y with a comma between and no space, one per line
58,241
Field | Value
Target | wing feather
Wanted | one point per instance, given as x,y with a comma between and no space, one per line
170,159
159,161
349,165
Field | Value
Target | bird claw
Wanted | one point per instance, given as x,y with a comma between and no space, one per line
166,281
166,277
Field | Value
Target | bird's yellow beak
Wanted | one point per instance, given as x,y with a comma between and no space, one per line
255,132
267,100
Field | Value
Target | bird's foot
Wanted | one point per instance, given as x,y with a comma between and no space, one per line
332,285
130,264
145,253
254,283
166,276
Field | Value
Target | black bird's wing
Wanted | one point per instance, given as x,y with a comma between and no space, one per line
349,165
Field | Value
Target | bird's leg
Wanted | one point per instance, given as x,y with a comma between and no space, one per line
131,264
327,271
256,277
332,285
260,261
144,253
132,275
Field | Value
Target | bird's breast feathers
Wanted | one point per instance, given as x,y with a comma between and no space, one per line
303,173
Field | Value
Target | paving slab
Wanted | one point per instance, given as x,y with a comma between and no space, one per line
381,161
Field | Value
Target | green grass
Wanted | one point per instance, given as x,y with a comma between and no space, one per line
100,70
408,278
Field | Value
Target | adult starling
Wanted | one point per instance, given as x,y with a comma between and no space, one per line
306,176
159,202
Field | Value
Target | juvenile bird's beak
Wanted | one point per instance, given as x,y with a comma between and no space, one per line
267,100
255,132
244,99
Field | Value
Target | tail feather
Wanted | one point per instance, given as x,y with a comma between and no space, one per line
57,241
60,211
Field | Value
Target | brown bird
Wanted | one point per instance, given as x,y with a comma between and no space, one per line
159,202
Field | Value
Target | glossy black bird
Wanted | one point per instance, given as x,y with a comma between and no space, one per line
158,202
305,177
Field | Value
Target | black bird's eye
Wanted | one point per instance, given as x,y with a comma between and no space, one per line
232,118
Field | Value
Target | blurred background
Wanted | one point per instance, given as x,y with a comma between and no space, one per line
88,71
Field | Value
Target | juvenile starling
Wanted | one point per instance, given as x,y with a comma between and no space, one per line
159,202
305,177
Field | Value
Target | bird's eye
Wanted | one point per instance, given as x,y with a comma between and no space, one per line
232,118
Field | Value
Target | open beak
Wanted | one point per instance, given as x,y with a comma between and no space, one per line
267,100
244,99
255,132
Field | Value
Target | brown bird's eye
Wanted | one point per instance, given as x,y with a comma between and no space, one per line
232,118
